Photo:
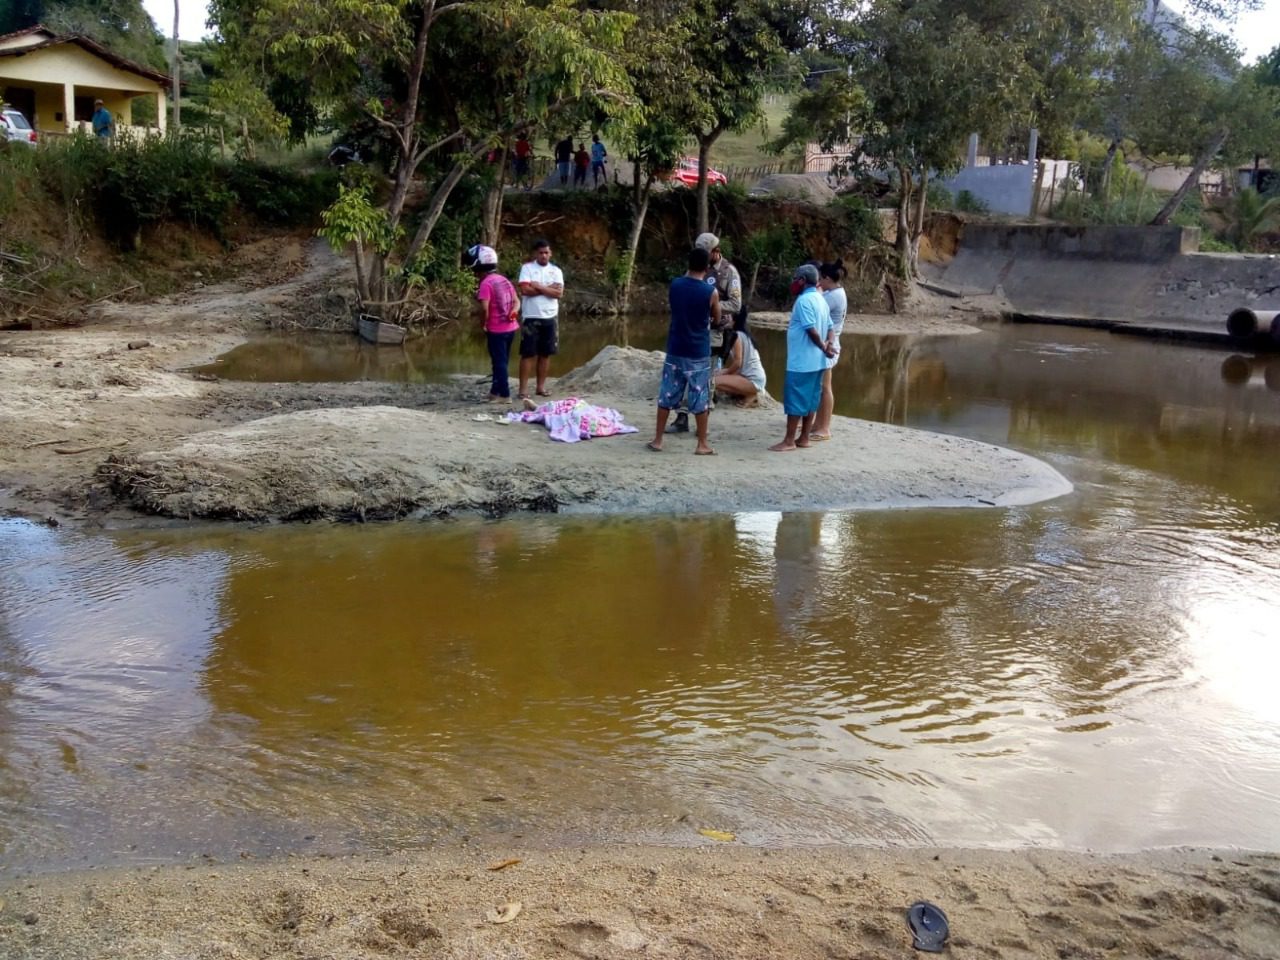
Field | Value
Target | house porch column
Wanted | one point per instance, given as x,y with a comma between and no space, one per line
161,109
69,106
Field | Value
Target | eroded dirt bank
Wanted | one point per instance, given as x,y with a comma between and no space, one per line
613,903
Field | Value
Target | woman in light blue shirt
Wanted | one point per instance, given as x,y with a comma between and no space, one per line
829,277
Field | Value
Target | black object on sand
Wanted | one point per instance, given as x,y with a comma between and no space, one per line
928,925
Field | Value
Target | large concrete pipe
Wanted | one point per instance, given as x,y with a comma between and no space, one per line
1246,324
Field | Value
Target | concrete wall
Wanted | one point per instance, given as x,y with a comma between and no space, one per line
1123,275
1004,189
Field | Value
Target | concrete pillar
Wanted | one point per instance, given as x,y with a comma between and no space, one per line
69,106
971,158
161,109
1032,146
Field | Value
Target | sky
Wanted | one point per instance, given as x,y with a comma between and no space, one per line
1257,33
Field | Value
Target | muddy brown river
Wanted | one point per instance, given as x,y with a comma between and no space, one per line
1095,672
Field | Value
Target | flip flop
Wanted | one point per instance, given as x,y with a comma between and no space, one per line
819,436
928,926
653,448
544,393
704,453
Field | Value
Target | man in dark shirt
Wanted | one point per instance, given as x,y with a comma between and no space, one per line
686,372
564,159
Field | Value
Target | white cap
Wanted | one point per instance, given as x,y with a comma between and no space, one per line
482,255
707,242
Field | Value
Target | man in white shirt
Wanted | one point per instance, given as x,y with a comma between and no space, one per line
541,286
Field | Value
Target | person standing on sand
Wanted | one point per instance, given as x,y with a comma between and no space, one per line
724,276
829,277
542,285
807,354
581,160
686,371
564,159
497,308
598,156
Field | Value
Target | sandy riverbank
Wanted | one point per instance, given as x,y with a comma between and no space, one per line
103,424
719,901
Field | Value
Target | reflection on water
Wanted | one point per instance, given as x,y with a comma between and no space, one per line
1091,672
440,353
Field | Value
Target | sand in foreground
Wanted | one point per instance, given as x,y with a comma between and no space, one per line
614,902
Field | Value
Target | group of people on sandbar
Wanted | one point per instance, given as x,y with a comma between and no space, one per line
710,350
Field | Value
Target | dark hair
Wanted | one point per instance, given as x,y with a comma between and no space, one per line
699,260
832,271
480,268
540,243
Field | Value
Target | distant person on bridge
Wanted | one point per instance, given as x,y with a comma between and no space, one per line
524,154
598,156
564,159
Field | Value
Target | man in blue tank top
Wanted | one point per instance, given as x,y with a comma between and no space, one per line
695,306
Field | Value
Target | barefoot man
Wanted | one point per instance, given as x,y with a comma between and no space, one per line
542,286
695,306
807,354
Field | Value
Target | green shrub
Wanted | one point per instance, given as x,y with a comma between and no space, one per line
276,195
966,202
860,220
939,197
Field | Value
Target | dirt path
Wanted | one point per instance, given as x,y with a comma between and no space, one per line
613,903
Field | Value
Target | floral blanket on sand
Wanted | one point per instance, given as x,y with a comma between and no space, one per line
573,419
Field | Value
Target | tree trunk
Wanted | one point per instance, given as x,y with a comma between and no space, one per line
917,225
406,130
705,142
1106,170
491,225
1193,178
639,210
177,73
434,209
902,243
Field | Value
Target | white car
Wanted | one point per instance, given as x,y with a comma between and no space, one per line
15,129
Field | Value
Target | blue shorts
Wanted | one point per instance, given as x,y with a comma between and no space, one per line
802,393
681,374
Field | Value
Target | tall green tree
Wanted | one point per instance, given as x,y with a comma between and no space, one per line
423,71
921,77
738,51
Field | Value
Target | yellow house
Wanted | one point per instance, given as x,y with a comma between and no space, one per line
54,80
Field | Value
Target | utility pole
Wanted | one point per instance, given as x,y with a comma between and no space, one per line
177,73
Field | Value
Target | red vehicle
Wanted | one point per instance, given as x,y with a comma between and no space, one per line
686,172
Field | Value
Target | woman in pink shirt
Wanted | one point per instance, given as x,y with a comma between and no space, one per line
498,310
